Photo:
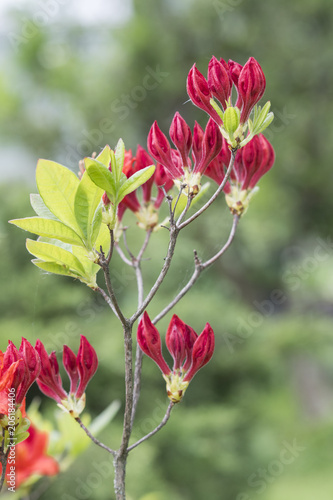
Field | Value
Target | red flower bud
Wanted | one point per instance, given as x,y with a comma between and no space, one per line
198,135
202,351
149,341
181,136
217,168
254,160
251,87
32,368
234,69
70,364
211,146
200,94
189,352
175,341
49,380
159,148
219,80
87,364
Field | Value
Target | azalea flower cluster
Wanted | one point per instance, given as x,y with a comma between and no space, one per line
19,369
189,351
214,94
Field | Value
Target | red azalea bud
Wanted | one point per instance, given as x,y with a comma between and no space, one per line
234,70
32,363
49,380
159,148
219,80
211,146
149,341
190,338
181,136
143,160
175,341
251,87
70,364
257,158
202,351
198,135
217,168
87,364
199,93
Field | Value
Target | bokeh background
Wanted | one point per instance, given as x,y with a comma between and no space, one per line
257,422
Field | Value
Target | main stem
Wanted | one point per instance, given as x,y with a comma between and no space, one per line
121,455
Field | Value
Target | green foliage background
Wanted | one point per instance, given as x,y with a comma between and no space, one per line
63,95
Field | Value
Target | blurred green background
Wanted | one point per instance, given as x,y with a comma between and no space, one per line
257,421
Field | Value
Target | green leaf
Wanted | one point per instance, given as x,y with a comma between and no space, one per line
135,181
87,201
119,157
54,253
103,239
101,176
49,228
40,208
57,186
268,120
104,156
52,267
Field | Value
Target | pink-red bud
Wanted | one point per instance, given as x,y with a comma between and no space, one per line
87,364
200,94
251,86
219,80
202,351
181,136
149,341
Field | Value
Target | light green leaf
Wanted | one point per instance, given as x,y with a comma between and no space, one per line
57,186
119,157
49,228
53,253
87,200
104,156
40,208
53,267
103,240
90,268
101,176
135,181
268,120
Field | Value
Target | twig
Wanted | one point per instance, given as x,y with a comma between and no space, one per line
150,434
3,461
95,440
106,298
199,267
122,255
174,231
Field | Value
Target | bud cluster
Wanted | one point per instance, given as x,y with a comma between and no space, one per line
251,163
189,351
214,95
80,370
203,146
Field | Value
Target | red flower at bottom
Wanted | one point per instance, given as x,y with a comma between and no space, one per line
30,458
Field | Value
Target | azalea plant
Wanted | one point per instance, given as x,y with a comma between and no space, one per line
79,224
